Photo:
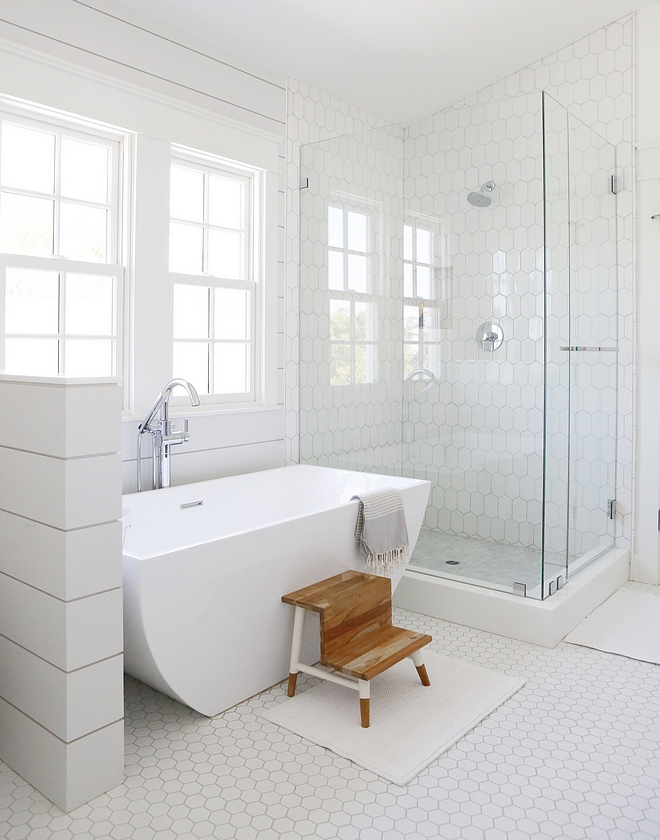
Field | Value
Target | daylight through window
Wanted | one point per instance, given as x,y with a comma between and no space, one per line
59,220
211,260
353,315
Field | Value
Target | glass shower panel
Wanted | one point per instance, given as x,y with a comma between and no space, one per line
557,337
593,344
350,360
473,409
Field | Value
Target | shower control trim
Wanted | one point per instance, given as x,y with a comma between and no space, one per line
490,336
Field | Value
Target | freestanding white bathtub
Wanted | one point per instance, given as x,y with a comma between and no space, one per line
206,565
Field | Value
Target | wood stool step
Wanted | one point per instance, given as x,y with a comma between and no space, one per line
357,635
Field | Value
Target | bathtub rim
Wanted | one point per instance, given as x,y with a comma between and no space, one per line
409,483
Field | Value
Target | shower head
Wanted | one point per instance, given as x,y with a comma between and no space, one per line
480,199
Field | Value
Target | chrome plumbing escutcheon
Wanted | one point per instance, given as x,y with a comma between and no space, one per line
490,336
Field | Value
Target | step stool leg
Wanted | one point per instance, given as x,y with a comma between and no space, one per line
418,659
296,645
363,688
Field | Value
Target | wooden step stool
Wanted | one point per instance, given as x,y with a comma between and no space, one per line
357,634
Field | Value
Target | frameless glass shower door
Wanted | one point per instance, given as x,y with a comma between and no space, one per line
592,345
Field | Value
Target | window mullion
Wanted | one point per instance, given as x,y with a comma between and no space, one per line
61,355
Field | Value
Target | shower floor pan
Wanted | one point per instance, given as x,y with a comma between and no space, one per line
496,565
543,623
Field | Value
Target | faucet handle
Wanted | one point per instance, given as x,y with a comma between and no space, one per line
171,434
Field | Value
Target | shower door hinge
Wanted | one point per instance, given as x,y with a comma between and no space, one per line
614,184
611,508
304,183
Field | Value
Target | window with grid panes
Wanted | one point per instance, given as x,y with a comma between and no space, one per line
421,313
60,278
353,315
212,256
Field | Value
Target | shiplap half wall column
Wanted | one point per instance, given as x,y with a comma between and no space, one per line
61,643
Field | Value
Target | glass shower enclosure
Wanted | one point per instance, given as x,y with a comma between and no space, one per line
458,323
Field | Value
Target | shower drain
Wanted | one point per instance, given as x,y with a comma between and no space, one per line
452,562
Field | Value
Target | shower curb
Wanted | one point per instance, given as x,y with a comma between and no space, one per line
543,623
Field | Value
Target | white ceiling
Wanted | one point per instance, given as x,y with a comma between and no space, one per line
399,59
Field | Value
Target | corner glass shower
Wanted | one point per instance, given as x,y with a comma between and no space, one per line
458,318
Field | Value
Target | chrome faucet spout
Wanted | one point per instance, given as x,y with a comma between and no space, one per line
163,436
162,400
183,383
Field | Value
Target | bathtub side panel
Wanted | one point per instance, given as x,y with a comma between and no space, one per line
212,617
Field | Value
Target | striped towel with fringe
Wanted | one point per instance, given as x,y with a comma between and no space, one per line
382,532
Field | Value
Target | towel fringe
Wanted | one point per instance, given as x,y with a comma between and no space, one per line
388,562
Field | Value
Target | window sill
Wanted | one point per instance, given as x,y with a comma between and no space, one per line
203,411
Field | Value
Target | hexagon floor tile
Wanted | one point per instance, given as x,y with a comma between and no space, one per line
574,754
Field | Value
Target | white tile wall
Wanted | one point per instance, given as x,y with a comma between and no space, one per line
482,448
485,455
593,79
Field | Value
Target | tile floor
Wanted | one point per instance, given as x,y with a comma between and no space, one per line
574,754
497,564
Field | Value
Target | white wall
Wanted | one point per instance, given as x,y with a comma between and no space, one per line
106,62
646,557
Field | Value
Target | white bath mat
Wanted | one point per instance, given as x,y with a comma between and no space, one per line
410,723
628,623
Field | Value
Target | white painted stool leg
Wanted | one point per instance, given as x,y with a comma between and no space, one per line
418,659
364,689
296,645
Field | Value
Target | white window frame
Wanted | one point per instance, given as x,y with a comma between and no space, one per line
253,280
59,124
441,290
351,296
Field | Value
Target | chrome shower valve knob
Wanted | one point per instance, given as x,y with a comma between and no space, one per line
490,336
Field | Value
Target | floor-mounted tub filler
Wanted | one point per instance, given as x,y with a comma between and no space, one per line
205,566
